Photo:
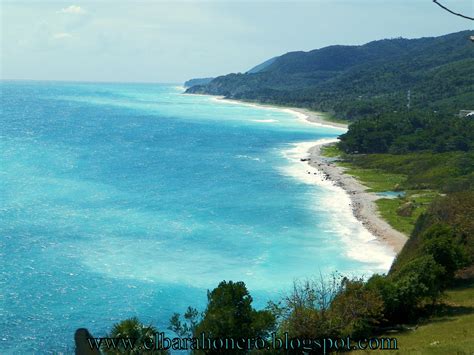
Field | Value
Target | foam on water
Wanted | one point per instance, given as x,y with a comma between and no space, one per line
265,121
131,199
359,243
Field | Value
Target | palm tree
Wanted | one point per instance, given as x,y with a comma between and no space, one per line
129,336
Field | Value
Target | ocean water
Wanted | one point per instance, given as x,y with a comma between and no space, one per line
133,199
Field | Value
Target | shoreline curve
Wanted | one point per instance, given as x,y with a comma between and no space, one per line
363,204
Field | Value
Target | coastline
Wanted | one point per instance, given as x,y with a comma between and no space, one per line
309,116
362,203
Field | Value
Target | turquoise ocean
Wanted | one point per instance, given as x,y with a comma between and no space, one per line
121,200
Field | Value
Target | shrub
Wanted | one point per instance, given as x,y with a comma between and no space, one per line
305,311
441,242
357,309
417,282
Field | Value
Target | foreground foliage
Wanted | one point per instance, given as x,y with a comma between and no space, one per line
449,330
132,329
229,314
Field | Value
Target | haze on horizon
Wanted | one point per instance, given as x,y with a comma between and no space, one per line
164,41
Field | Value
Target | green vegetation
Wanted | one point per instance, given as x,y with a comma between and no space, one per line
353,82
229,314
430,157
328,308
133,330
377,180
197,81
332,118
421,175
403,212
448,331
388,210
401,133
445,172
452,215
330,151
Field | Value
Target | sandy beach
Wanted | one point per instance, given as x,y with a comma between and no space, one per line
302,113
362,202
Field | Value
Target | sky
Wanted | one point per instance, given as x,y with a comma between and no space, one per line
172,41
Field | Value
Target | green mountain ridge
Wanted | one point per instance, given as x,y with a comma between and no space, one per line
359,81
197,81
262,66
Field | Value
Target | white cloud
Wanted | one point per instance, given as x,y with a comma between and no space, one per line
62,35
73,9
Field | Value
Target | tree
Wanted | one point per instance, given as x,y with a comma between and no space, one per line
129,336
416,282
356,310
187,327
305,311
440,241
229,314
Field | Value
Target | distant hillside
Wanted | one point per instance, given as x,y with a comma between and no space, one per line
262,66
197,81
358,81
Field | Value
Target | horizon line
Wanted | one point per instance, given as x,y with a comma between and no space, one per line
93,82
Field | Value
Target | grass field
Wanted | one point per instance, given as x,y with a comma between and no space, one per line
379,181
419,199
449,331
330,151
376,180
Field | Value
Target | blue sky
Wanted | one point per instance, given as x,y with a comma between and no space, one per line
171,41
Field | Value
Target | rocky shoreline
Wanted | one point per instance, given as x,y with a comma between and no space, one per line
362,202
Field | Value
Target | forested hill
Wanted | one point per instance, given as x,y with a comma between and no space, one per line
197,81
357,81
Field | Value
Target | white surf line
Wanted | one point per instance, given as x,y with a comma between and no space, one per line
364,246
359,243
